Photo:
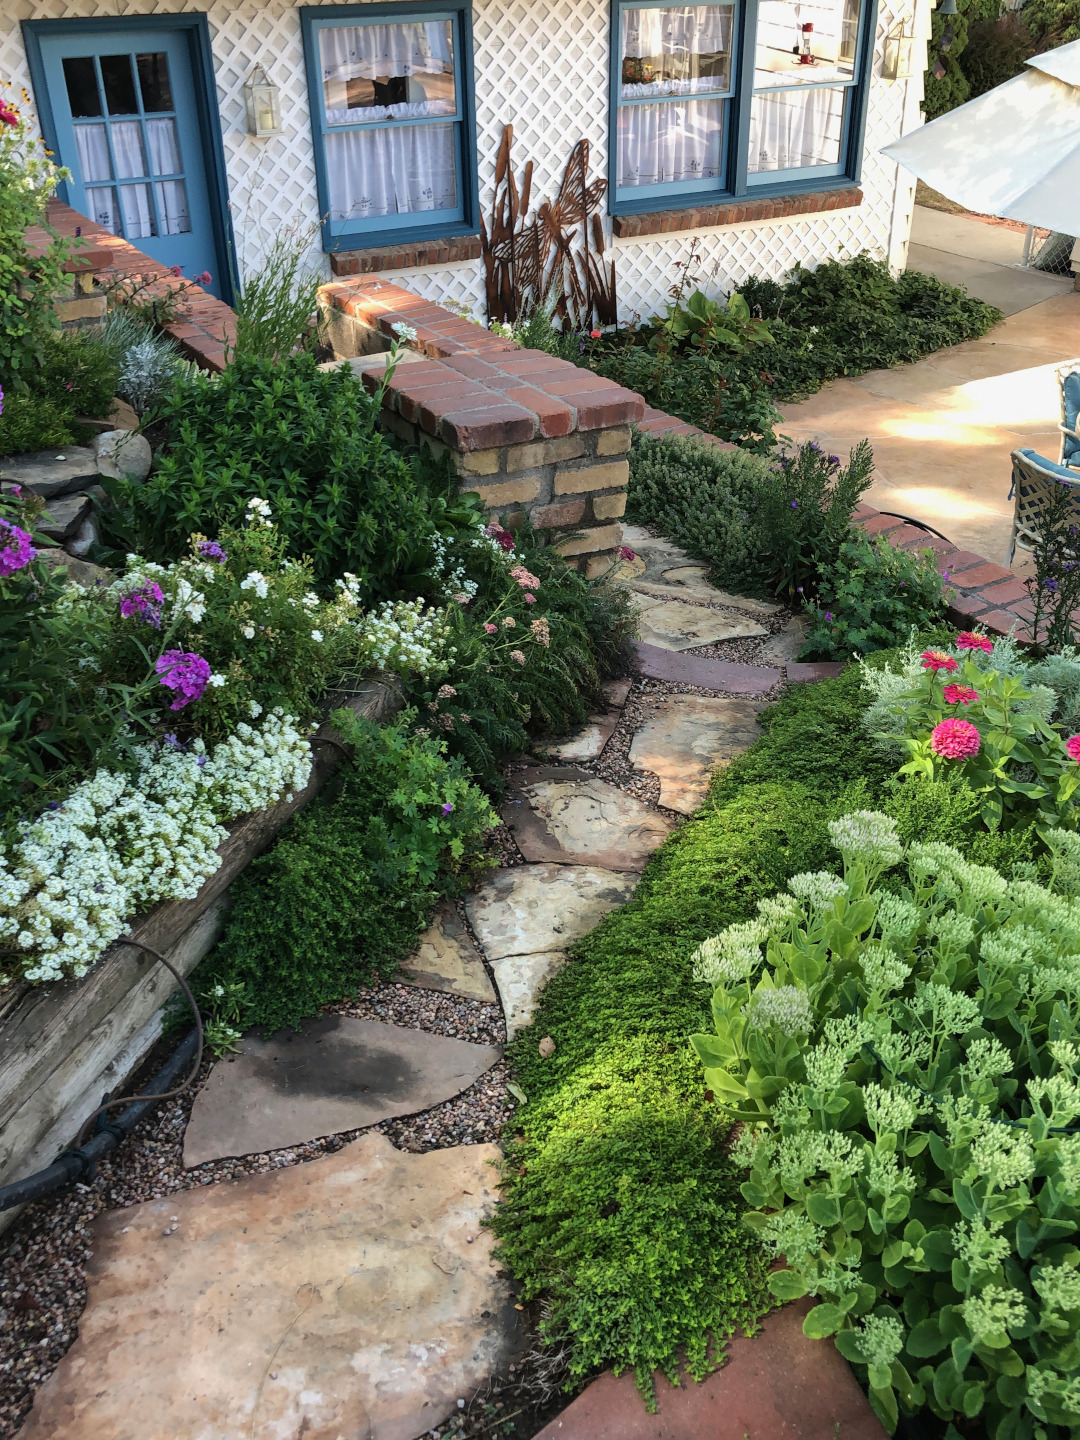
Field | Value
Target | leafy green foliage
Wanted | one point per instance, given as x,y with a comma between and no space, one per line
906,1067
305,440
953,88
277,311
763,528
350,885
871,597
80,369
33,422
703,324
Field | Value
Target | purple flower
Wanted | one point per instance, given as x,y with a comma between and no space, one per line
211,550
828,614
172,742
1,412
625,553
200,761
833,459
204,279
184,671
447,808
145,602
794,504
16,551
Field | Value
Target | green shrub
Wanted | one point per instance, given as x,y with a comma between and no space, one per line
305,440
762,528
906,1069
34,422
277,311
350,885
80,369
871,598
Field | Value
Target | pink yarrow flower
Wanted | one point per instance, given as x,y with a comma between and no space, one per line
529,599
183,671
970,640
16,551
955,740
524,578
518,655
1072,745
491,629
625,553
959,694
937,660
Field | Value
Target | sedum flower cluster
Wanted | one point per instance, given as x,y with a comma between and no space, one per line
71,879
906,1065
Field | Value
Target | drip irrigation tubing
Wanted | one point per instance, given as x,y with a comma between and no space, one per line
80,1162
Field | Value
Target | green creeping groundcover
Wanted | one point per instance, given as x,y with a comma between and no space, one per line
620,1206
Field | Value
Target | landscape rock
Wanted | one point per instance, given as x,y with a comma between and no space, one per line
123,454
520,979
587,744
684,741
51,472
678,625
337,1073
546,1047
83,539
616,691
337,1298
63,516
572,817
446,959
81,571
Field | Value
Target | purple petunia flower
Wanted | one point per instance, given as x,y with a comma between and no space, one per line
145,602
183,671
16,551
211,550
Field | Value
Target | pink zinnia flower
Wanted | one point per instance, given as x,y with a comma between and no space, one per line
184,671
969,640
7,115
1072,745
959,694
16,551
491,629
937,660
594,334
955,740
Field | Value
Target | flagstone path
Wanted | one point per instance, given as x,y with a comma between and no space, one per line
353,1294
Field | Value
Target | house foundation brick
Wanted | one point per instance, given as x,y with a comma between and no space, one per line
613,442
600,538
569,512
512,492
585,476
609,507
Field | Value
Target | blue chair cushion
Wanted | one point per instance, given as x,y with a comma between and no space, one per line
1055,469
1070,393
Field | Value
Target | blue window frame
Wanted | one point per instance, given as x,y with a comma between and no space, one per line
715,101
391,92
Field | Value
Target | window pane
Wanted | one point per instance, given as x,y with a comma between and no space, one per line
668,50
82,88
392,171
119,85
102,206
795,129
173,207
154,81
805,44
127,149
387,72
138,216
659,144
164,147
93,147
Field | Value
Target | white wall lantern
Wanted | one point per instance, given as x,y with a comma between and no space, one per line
262,103
897,59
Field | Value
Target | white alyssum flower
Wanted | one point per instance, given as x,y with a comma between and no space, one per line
316,635
400,635
254,709
121,843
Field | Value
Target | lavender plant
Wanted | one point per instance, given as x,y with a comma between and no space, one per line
906,1063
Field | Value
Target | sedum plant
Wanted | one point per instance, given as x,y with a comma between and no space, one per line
906,1064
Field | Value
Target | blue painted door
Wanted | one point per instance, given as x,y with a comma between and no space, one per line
127,126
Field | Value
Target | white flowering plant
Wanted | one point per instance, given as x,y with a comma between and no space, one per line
123,841
906,1064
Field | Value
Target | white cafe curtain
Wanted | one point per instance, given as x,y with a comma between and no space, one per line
677,30
659,144
796,129
370,52
138,224
391,172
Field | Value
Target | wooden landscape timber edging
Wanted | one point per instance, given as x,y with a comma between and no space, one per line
63,1046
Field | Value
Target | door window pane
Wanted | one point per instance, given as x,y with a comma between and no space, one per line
138,215
387,72
172,206
154,81
804,44
82,86
164,147
127,148
659,144
676,50
93,146
391,171
119,85
101,203
796,129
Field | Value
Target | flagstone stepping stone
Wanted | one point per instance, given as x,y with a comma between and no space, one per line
783,647
571,817
587,744
338,1298
446,959
804,671
526,916
616,691
686,739
677,625
337,1073
705,674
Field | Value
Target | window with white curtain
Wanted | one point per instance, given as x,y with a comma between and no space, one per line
722,99
388,97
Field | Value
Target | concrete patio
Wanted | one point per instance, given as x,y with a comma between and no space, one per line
943,428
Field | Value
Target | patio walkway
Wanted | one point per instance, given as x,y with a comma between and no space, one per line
943,428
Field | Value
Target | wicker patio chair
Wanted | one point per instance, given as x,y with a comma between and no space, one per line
1034,479
1068,378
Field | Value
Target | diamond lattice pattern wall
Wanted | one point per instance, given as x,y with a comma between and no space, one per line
541,65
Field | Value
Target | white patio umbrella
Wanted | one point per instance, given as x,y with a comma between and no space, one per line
1013,152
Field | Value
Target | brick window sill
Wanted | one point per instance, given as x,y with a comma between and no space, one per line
405,257
703,217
